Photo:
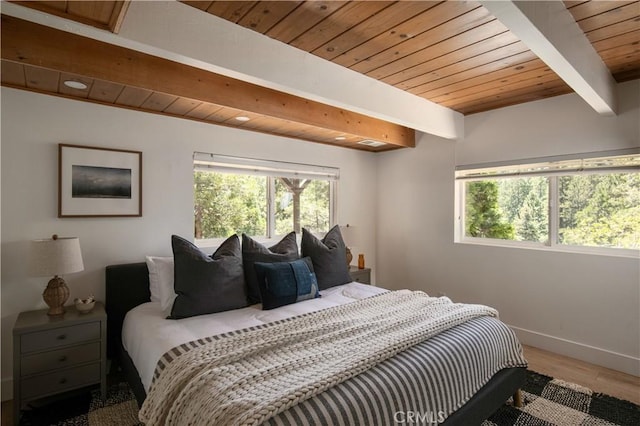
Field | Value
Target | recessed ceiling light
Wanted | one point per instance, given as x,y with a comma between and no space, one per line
242,118
75,84
341,138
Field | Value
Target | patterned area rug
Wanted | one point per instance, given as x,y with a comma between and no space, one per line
547,401
85,408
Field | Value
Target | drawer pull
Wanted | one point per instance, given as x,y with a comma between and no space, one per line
63,358
62,381
62,337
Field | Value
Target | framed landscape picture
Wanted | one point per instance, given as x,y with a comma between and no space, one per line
99,182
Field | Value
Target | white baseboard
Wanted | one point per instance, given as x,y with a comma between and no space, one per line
613,360
6,391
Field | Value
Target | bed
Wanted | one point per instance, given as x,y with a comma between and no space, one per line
127,289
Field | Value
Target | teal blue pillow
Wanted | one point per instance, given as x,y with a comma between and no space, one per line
284,283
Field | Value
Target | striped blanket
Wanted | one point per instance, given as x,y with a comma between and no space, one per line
270,373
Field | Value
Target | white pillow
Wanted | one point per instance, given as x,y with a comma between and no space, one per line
161,280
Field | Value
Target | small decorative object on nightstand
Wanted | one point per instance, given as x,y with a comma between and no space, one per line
361,261
360,275
56,256
55,354
84,306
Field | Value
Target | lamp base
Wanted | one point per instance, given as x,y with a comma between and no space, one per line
55,295
349,256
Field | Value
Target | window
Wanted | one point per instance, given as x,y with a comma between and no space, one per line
586,204
260,198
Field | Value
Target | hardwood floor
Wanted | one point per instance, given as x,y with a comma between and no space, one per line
594,377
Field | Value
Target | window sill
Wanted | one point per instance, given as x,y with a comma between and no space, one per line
598,251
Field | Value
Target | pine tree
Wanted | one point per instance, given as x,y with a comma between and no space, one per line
483,217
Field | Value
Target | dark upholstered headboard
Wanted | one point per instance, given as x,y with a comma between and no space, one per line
127,286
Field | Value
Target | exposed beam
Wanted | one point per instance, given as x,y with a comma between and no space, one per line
549,30
29,43
179,31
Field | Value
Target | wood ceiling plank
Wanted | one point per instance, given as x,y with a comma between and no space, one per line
592,8
58,5
304,17
55,8
437,15
105,91
630,38
503,85
573,3
42,79
30,43
198,4
158,101
78,93
626,50
13,74
99,11
223,114
610,17
371,27
263,16
613,30
442,84
231,10
537,92
182,106
340,21
203,110
435,35
133,96
624,66
468,64
485,77
437,57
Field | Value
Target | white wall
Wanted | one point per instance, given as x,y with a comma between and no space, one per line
33,125
585,306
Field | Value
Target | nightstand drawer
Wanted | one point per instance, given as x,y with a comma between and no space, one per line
61,336
360,275
59,381
42,362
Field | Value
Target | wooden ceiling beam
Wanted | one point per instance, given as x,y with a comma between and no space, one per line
29,43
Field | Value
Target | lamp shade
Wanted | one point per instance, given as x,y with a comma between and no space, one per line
55,256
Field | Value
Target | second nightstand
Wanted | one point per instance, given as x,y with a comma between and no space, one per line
360,275
54,354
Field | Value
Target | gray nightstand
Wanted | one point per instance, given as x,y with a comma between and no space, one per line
58,353
360,275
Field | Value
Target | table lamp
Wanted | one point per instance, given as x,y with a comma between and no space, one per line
55,256
349,235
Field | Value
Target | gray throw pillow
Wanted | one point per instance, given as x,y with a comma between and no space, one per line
329,257
207,284
252,252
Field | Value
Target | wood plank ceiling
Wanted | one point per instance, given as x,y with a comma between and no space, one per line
453,53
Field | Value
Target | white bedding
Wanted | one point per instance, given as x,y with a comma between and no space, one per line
147,335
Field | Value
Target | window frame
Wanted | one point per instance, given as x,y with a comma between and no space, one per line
552,243
268,169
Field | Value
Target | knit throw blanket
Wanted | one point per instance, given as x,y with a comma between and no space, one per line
244,378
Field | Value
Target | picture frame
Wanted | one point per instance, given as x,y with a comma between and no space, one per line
99,182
